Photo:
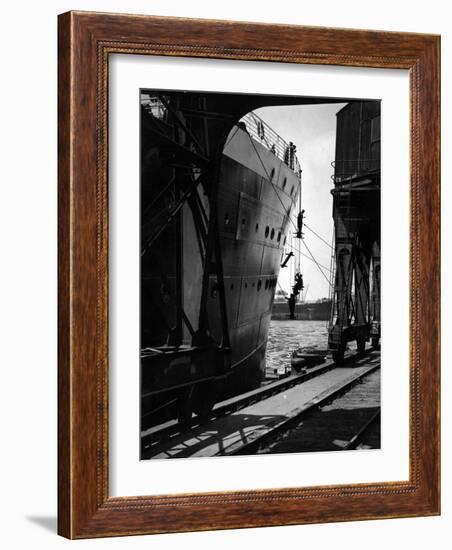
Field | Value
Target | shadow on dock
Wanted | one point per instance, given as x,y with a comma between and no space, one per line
215,440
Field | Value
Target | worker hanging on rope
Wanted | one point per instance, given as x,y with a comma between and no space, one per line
300,219
298,286
296,289
291,302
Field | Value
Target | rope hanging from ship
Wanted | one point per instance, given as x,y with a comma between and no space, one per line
298,278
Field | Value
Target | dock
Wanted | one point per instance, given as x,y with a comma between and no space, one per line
251,422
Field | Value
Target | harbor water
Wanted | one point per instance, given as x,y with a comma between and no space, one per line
287,335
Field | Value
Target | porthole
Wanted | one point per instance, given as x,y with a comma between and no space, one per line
246,285
257,227
243,221
272,174
266,284
284,243
272,234
232,286
253,285
284,183
279,236
259,285
291,191
267,231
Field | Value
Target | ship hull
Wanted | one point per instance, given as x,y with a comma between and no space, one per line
256,198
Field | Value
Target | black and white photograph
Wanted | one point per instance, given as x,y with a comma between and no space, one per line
260,274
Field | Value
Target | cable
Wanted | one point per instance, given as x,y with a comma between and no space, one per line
287,212
279,198
308,257
320,269
317,235
281,288
271,182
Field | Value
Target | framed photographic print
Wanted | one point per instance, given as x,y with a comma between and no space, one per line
248,275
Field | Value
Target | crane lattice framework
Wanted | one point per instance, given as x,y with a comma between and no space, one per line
355,313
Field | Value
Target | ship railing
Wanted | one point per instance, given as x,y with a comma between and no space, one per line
261,132
345,169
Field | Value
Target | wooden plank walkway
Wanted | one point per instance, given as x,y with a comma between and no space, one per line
224,435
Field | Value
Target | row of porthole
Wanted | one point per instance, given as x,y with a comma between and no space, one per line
269,284
272,234
272,176
267,230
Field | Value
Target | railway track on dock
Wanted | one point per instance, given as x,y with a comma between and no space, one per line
169,429
306,421
241,424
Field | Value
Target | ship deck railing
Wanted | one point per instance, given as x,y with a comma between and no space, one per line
261,132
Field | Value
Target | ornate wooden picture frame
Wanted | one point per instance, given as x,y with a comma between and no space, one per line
86,40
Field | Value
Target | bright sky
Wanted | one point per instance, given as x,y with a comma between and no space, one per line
313,130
